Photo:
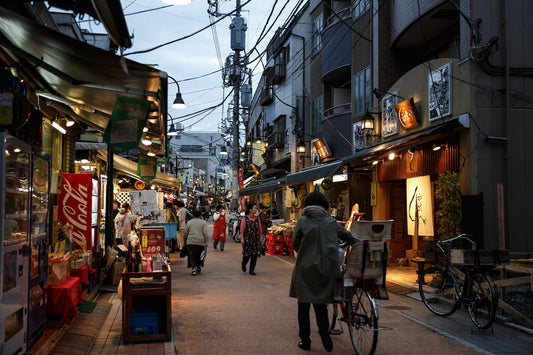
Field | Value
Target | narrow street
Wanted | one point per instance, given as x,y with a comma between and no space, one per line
226,311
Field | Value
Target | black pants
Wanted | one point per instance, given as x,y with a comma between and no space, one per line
253,261
194,255
321,314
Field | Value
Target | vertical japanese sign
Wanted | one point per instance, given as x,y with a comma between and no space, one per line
125,126
146,167
240,182
75,208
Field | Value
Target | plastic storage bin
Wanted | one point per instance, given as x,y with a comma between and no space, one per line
144,323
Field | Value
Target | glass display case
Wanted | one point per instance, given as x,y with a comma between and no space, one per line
39,246
15,187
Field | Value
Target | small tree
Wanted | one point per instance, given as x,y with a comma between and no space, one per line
448,192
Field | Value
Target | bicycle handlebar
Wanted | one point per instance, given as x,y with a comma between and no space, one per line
460,236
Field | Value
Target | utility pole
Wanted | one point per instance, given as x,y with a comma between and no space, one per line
233,76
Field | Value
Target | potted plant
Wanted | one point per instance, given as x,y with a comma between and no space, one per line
449,217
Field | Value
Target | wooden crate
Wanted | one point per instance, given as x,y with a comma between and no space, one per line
479,257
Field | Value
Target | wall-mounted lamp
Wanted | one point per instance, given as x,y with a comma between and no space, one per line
376,162
393,156
439,147
56,124
178,101
300,148
223,151
367,123
70,122
248,143
379,93
147,141
258,140
172,131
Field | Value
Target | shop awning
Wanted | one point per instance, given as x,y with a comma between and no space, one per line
315,172
262,188
420,136
80,80
129,168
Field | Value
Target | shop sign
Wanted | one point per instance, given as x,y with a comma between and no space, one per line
125,126
116,189
152,241
419,206
266,200
405,111
301,191
75,208
146,167
389,120
139,185
373,194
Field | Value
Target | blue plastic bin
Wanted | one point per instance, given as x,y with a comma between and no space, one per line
170,229
144,323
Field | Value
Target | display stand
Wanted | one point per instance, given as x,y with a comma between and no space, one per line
146,306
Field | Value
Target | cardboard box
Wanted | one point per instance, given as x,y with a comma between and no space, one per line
58,270
118,268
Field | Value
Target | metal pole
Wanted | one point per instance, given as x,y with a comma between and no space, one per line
236,97
109,237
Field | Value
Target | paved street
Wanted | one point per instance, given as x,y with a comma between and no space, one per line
226,311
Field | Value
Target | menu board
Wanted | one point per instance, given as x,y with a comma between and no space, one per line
152,240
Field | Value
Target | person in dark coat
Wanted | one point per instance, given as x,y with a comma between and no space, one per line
316,240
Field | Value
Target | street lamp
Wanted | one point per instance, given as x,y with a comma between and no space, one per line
178,101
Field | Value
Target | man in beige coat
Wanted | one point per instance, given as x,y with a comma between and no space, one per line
197,240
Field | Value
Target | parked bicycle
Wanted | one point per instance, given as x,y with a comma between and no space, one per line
358,308
234,223
445,288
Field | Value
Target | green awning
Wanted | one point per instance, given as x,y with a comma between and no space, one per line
261,188
315,172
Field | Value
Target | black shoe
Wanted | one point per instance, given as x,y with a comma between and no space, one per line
326,341
304,346
243,267
252,273
221,249
214,246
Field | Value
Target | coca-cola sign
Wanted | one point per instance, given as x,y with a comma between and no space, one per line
75,208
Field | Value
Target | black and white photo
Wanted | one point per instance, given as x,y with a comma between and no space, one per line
440,92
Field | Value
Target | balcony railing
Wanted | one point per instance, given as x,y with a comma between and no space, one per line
337,110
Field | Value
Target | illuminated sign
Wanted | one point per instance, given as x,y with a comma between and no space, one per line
406,114
321,148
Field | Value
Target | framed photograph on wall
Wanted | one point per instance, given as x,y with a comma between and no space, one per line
359,137
389,119
440,92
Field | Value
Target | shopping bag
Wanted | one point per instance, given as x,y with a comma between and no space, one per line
202,256
183,252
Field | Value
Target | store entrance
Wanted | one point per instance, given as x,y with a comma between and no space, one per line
398,212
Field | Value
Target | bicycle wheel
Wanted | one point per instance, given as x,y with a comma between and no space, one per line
363,326
483,301
333,310
437,291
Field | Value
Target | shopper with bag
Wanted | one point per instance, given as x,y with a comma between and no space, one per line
219,227
316,240
265,224
197,240
251,238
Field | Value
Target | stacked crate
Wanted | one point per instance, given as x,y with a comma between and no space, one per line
288,250
275,244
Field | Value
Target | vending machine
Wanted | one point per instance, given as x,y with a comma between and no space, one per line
15,189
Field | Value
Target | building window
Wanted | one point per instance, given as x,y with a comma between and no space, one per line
317,34
316,116
192,148
361,91
360,7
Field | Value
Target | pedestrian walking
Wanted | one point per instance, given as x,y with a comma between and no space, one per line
219,227
316,240
171,216
182,214
197,239
265,223
251,237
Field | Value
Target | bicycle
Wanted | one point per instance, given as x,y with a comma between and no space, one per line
357,307
444,289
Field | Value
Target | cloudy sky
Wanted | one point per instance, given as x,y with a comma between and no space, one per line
197,56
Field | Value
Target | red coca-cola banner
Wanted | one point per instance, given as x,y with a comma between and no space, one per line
74,208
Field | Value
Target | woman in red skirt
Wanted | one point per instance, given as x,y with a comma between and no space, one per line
219,227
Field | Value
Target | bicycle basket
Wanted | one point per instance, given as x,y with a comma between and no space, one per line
368,261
